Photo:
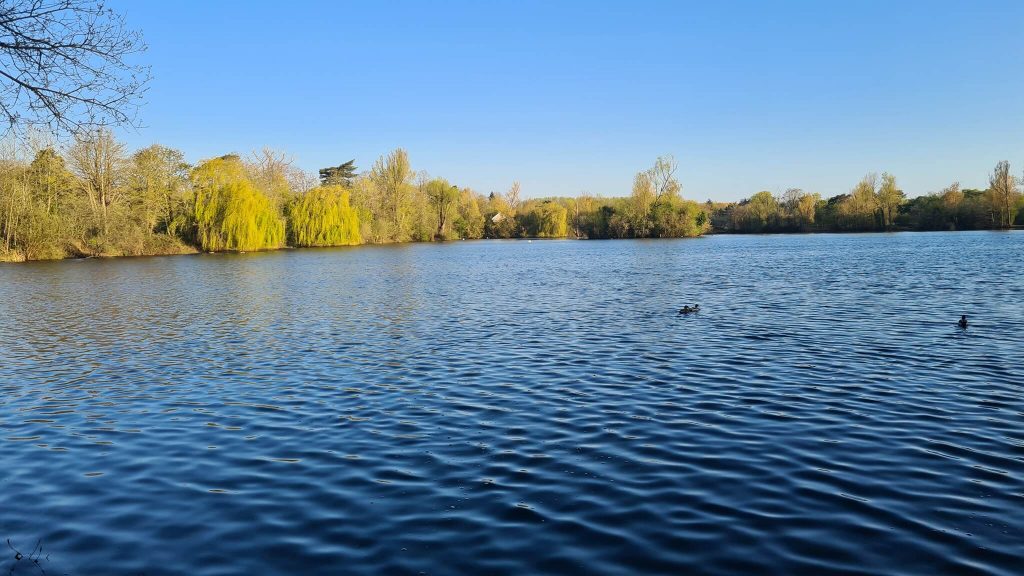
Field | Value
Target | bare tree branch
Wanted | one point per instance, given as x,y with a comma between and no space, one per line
66,65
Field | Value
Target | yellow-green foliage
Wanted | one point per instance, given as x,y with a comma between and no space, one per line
219,171
323,217
545,220
229,212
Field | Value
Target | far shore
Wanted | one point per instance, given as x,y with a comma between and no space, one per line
189,251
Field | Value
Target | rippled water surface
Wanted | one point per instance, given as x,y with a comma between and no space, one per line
520,408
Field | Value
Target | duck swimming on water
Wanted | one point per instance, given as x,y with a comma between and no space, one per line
689,309
963,321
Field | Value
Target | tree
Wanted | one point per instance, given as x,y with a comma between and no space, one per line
890,198
1002,195
392,176
49,178
663,178
158,177
952,197
858,209
423,219
652,188
99,162
799,208
340,175
582,208
759,213
442,197
64,64
641,199
368,204
545,220
808,208
323,217
790,202
229,212
15,198
274,174
470,221
675,217
497,222
512,199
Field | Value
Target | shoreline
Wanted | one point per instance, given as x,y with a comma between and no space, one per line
14,258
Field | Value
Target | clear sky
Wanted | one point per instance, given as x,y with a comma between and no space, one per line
578,96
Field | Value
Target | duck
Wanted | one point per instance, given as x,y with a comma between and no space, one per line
687,309
963,321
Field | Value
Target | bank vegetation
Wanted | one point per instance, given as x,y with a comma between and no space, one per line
93,197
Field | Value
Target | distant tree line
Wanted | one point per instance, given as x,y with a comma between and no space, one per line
654,209
877,204
94,198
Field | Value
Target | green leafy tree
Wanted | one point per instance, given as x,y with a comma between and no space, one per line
889,199
858,209
641,201
469,222
158,178
443,198
392,177
758,214
675,217
653,189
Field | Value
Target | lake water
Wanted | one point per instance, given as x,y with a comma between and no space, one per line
520,408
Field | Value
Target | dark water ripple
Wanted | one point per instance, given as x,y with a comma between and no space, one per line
493,408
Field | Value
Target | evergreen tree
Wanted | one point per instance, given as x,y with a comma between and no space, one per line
341,175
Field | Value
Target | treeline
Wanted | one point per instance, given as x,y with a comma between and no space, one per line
877,204
93,198
96,199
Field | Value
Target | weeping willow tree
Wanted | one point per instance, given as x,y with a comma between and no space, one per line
323,217
547,219
229,213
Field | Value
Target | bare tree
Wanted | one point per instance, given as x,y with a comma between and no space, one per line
1002,191
99,161
512,198
65,65
791,200
652,188
275,174
663,178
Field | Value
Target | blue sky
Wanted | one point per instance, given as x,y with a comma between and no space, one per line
577,96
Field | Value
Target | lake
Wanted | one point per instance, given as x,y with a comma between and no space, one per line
513,407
